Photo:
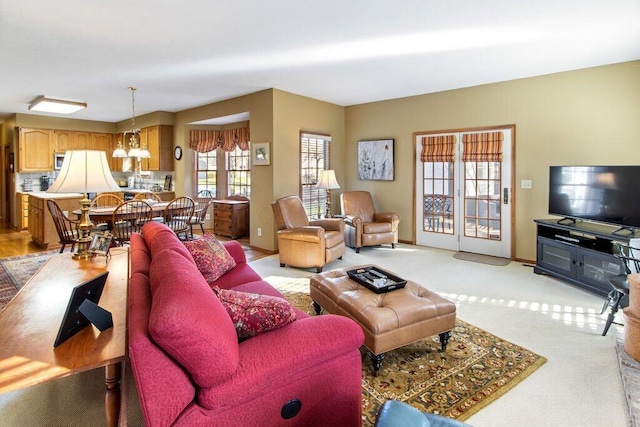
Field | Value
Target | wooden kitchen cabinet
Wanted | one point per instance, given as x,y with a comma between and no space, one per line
35,148
104,142
231,218
62,141
159,142
41,226
81,140
22,210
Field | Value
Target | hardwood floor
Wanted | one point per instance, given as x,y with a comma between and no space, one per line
13,243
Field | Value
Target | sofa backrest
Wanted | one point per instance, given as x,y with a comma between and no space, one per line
189,322
159,237
155,372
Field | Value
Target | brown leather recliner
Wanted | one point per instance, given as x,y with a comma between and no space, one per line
304,243
365,226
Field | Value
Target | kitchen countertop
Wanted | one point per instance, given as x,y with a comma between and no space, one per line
141,190
45,195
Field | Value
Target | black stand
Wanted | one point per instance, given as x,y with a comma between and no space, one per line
97,315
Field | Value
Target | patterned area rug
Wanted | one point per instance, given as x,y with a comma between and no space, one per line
16,271
476,369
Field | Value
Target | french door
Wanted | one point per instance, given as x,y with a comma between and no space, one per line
463,190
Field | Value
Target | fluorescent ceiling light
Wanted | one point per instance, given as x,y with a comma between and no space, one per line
56,105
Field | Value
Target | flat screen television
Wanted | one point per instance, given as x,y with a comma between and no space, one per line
607,194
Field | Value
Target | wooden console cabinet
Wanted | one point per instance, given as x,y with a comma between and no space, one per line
581,253
231,218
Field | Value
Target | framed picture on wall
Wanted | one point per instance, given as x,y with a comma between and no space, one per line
375,160
260,154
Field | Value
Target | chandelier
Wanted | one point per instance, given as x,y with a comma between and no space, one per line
136,149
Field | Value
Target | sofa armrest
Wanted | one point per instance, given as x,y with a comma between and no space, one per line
306,234
236,251
330,224
296,349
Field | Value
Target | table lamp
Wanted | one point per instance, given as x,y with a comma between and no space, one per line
84,171
327,180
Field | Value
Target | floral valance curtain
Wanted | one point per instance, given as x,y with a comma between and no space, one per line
482,147
204,141
438,148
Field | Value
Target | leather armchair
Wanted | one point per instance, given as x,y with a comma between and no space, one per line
303,243
363,225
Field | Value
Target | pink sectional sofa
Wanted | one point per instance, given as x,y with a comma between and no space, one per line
198,373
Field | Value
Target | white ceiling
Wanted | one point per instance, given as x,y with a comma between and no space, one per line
183,54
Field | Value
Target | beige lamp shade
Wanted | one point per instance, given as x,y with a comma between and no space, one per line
84,171
327,179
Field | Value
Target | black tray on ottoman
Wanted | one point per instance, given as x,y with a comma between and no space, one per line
377,280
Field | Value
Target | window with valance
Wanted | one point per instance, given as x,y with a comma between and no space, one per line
482,147
438,148
204,141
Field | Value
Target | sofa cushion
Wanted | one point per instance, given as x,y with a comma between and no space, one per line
254,314
188,322
211,257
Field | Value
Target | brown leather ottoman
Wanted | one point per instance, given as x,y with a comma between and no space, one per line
389,320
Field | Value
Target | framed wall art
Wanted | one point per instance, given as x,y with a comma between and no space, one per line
260,154
375,160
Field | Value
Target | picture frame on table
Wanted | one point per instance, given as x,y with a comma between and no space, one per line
375,160
260,154
101,243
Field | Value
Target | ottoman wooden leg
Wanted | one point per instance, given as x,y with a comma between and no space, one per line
316,307
376,361
444,340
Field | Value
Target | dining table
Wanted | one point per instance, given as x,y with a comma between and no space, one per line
104,214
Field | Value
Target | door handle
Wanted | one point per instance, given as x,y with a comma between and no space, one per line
505,196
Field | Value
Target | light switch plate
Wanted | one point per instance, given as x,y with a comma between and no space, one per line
526,184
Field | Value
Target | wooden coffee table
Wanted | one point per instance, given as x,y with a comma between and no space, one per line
29,326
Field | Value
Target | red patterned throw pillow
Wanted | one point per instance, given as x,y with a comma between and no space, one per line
254,314
211,257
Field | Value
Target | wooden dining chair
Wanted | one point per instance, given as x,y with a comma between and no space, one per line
105,200
147,196
177,215
203,200
67,228
128,218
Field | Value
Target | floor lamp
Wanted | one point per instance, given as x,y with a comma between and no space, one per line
327,180
84,171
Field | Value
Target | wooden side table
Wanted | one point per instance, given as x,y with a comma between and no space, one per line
231,218
29,326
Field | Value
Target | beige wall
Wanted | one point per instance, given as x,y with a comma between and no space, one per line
588,116
276,117
259,105
294,114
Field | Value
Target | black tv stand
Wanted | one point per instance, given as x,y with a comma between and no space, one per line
581,252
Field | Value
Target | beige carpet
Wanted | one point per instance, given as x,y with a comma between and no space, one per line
482,259
476,368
